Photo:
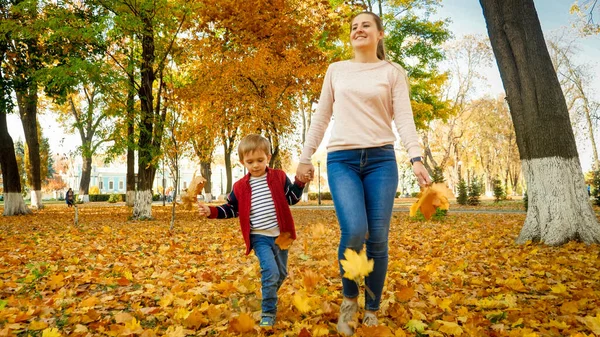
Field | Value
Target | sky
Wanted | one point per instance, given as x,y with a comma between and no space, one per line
466,17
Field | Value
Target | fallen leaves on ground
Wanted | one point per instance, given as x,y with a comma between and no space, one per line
111,276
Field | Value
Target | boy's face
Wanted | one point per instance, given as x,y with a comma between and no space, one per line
256,162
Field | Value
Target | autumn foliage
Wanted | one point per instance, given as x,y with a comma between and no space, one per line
118,277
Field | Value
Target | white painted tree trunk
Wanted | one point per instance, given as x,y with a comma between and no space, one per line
208,197
36,199
14,204
557,214
142,207
130,198
83,198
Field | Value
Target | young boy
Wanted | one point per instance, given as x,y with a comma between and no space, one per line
261,199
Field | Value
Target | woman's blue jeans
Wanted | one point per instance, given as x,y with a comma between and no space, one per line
273,270
363,185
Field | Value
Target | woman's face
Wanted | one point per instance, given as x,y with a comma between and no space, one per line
364,33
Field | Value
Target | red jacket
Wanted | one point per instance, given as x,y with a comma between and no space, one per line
284,193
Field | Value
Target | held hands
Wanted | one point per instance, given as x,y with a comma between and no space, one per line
203,209
305,172
421,173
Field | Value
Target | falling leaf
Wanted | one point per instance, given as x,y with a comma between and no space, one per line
310,279
242,323
284,241
356,265
301,302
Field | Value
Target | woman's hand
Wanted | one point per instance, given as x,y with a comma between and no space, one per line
421,173
305,172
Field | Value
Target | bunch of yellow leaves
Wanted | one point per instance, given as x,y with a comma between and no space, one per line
190,197
432,197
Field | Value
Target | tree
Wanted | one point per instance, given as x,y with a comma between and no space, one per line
462,192
156,26
474,192
575,81
559,210
13,199
585,13
499,193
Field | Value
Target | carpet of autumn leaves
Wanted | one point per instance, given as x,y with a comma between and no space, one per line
112,276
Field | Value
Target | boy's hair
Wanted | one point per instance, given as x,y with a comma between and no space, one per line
253,142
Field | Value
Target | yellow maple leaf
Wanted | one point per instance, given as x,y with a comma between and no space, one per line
415,325
134,326
301,302
178,331
51,332
593,323
320,330
242,323
399,333
89,302
284,241
38,325
445,304
56,281
181,313
556,324
450,328
559,289
356,265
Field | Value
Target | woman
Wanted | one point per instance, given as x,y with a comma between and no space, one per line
364,95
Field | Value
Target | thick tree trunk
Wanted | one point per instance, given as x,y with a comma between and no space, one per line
130,145
84,184
13,200
27,101
559,210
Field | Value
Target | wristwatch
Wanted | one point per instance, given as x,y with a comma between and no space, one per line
416,159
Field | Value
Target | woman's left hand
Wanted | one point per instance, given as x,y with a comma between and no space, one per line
421,173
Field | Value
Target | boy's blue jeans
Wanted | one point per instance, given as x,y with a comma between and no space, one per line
273,270
363,185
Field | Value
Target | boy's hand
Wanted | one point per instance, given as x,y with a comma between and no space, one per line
203,209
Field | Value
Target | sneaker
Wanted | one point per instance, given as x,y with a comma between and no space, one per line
347,311
267,322
370,319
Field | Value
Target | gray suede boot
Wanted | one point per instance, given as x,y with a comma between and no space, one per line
370,319
347,311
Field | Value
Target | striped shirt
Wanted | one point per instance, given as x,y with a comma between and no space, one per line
263,218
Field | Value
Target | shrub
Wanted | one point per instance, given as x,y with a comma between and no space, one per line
99,197
315,196
114,198
438,175
94,190
463,196
499,193
156,197
474,192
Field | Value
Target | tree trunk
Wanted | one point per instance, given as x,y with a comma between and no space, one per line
27,101
130,179
13,200
86,173
228,150
206,172
142,208
558,210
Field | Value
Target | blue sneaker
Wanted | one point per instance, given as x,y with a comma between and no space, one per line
267,322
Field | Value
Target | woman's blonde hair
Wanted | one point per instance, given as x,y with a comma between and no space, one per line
253,142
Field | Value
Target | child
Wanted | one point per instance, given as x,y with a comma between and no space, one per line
69,198
261,199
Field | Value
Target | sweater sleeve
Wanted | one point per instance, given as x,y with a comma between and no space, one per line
320,119
227,210
293,192
403,115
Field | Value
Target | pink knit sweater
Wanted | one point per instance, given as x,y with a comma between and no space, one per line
363,99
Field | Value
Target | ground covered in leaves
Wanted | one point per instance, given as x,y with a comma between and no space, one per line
463,276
